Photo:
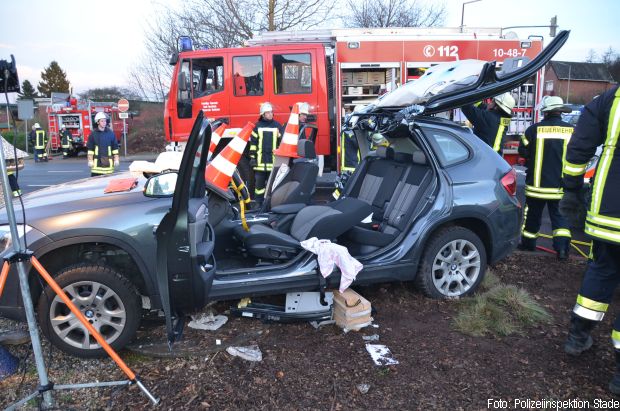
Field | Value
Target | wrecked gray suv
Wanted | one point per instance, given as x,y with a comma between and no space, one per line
439,205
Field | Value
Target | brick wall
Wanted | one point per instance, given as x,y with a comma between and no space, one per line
579,91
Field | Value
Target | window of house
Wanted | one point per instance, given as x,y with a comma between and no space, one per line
248,75
292,73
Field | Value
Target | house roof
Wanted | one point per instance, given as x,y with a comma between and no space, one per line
581,71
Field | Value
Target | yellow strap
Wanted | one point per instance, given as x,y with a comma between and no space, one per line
237,190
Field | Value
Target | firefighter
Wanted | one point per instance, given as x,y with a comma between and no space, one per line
349,152
598,125
66,141
265,139
543,146
39,140
491,122
102,148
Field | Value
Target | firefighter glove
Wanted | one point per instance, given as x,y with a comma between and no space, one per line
117,162
91,163
573,205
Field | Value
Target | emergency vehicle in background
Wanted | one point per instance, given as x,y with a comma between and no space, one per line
78,118
333,71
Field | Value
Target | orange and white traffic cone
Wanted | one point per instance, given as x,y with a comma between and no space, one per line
288,146
219,171
215,139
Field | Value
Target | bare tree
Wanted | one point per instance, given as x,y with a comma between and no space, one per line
591,57
393,13
214,24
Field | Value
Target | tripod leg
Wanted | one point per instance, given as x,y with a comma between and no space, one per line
109,350
3,276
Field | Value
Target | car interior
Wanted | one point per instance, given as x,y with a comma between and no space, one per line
380,200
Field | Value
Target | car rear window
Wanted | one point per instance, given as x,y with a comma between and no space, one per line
449,148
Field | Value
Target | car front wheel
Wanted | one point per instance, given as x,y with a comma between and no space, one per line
453,263
107,300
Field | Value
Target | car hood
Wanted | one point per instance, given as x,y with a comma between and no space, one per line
454,84
75,196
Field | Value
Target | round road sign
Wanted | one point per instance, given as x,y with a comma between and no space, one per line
123,105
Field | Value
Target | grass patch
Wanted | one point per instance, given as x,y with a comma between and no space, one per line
501,310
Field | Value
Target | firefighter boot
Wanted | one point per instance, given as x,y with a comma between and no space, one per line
527,244
614,384
579,339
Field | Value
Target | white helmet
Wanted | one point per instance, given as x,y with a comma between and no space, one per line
100,116
36,125
377,138
554,103
506,102
304,108
265,107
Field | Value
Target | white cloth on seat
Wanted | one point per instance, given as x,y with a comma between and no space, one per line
282,172
330,254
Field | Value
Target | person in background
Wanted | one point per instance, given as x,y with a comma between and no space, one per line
102,148
66,141
599,124
491,123
543,146
265,139
39,142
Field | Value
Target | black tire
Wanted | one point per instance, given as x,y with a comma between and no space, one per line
115,313
452,278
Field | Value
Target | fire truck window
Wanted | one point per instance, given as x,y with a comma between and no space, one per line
248,75
207,76
292,73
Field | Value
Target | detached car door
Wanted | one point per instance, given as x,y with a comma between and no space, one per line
185,266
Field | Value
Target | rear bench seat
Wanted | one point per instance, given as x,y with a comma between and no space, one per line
403,198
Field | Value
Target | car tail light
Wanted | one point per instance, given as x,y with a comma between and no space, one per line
509,181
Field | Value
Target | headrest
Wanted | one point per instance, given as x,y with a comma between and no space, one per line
385,152
405,158
305,148
419,158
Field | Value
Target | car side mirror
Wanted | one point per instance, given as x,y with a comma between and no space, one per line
182,81
161,185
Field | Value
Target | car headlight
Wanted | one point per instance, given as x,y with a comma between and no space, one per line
5,235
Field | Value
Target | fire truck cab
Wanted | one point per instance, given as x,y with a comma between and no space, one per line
332,70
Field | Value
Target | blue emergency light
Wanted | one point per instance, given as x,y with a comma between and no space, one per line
186,43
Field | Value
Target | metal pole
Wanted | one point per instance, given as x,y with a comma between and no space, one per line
125,135
463,12
26,132
568,86
19,247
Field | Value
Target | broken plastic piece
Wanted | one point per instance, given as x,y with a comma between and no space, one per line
381,354
374,337
250,353
207,321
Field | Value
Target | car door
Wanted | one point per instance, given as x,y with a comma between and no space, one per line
185,266
477,85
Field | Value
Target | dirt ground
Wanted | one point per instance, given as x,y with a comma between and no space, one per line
305,368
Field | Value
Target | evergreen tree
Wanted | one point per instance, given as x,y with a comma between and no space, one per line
53,78
28,91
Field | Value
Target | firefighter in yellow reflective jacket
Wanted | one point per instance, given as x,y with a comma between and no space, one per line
66,141
543,146
491,122
40,143
264,141
102,148
599,124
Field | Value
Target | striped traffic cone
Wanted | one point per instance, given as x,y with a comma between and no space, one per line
215,139
288,146
219,171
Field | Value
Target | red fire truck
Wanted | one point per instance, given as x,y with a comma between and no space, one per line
78,118
333,71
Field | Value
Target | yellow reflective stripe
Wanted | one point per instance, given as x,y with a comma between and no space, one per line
561,232
259,190
503,123
527,234
91,152
544,189
588,314
544,196
612,222
574,169
602,233
540,149
555,131
591,304
615,339
607,156
524,140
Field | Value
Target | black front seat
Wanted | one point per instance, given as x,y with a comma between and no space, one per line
298,184
322,221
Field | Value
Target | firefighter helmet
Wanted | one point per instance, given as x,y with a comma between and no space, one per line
554,103
100,116
36,125
265,107
506,102
304,108
378,139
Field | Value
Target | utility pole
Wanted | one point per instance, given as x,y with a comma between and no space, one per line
463,12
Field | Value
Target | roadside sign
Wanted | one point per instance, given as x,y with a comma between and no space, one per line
123,115
123,105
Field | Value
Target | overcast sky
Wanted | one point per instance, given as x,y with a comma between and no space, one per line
97,42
